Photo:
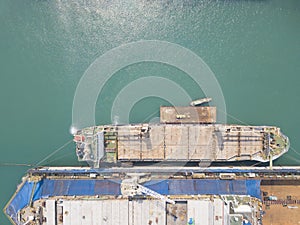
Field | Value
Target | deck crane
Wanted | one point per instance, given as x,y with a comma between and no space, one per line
131,187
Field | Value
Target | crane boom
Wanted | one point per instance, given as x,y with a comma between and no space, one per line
154,194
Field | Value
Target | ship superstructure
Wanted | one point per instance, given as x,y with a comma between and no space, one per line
185,134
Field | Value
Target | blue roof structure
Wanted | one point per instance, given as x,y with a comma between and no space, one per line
205,186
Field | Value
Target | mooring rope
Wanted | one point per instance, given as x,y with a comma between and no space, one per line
53,153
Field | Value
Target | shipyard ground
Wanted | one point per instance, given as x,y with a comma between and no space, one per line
278,213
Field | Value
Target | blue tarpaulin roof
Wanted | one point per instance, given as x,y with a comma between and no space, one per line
20,200
206,186
67,187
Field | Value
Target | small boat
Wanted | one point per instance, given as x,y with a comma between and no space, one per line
200,101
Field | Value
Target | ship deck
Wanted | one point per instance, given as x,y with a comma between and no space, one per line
215,210
175,142
188,114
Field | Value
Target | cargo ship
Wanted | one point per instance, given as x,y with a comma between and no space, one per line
184,134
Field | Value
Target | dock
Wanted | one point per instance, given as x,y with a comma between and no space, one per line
285,210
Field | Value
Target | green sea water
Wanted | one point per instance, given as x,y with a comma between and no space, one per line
252,47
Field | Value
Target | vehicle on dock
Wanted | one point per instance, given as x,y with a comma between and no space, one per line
273,198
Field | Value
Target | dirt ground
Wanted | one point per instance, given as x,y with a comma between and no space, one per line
279,214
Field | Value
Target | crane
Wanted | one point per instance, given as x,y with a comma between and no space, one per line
154,194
